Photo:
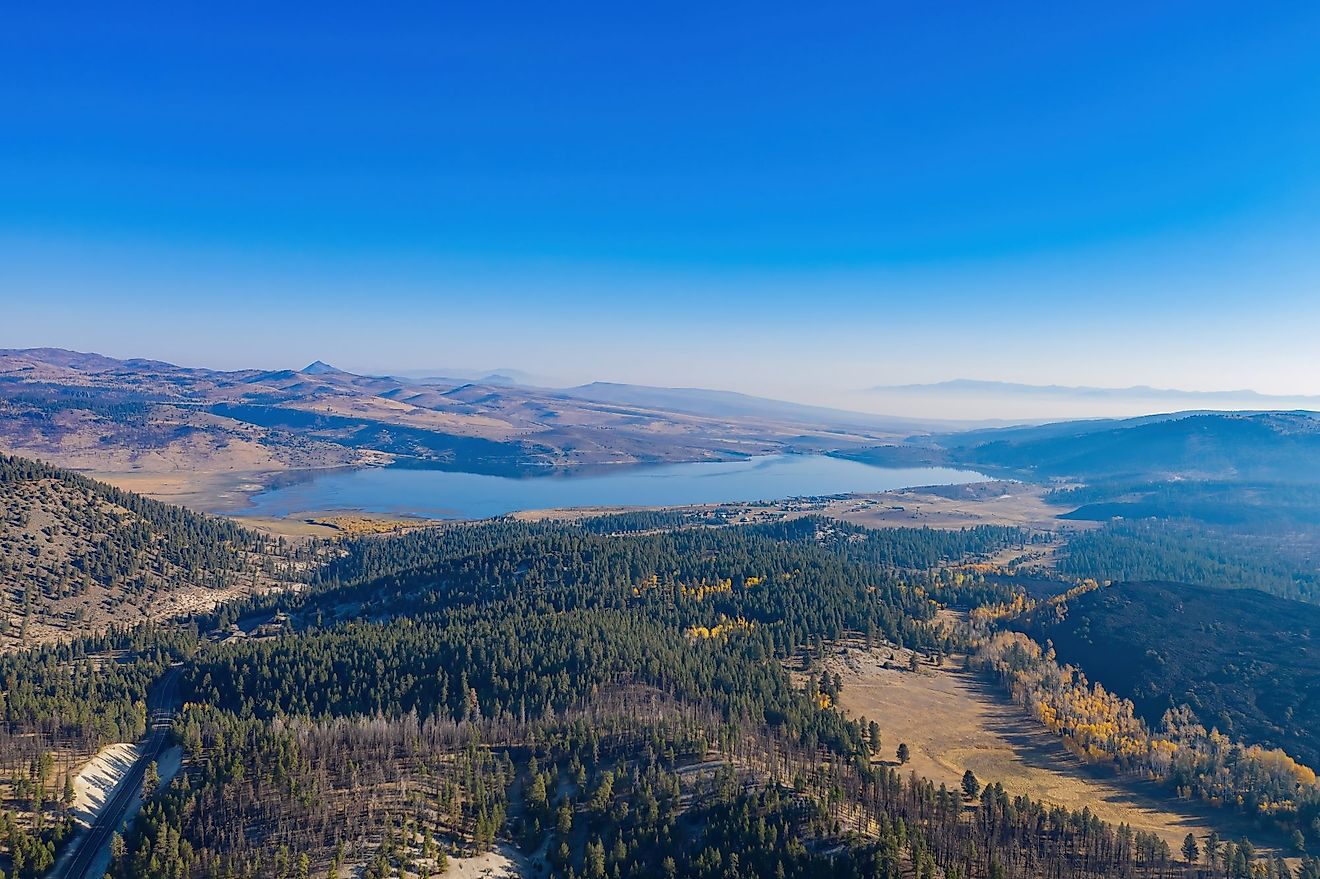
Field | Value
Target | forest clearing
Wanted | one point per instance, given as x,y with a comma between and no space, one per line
953,720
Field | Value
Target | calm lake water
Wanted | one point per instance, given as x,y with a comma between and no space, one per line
441,494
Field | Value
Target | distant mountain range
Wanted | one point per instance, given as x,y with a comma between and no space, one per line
699,401
99,413
1135,392
502,377
113,416
973,398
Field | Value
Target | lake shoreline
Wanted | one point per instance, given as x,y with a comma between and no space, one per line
448,495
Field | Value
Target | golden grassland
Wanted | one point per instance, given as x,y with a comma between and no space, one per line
952,506
953,720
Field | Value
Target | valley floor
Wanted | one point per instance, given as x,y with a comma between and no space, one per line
222,491
953,720
950,506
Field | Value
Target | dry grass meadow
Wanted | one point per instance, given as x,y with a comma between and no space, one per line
952,720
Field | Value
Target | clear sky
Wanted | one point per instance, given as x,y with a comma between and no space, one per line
791,199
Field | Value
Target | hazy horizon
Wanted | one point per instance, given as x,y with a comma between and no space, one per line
959,399
783,202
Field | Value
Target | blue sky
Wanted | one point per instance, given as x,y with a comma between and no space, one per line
791,199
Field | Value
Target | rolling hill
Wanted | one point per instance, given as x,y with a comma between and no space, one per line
1246,446
1263,447
77,555
115,416
1244,661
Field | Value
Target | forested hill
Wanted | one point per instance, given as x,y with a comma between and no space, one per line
1244,661
1280,562
77,554
633,696
433,621
1270,447
886,549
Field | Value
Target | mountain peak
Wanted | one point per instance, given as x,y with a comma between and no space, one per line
319,367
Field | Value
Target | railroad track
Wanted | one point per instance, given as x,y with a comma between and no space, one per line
162,702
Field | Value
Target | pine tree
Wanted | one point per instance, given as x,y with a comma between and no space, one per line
150,780
1191,852
970,785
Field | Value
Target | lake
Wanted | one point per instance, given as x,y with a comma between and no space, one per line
438,494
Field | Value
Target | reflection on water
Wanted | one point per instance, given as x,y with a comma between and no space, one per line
447,494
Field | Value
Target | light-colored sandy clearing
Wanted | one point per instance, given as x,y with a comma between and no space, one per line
219,491
952,506
229,493
303,525
953,721
502,861
296,529
97,779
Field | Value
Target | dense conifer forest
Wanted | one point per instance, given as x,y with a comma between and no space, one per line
1182,551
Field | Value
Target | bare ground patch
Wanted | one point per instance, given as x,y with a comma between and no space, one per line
99,777
221,492
951,506
502,862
